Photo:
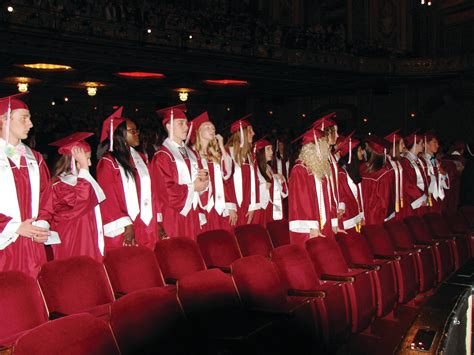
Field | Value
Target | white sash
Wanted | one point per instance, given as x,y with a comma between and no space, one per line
185,177
131,194
146,211
280,167
99,193
216,196
419,178
237,177
9,205
320,199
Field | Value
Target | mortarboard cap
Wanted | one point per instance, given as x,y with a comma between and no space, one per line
178,112
410,139
241,122
196,123
377,144
109,126
325,121
261,144
77,139
7,105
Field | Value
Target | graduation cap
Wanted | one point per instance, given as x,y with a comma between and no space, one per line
76,139
347,145
411,139
311,136
7,105
393,138
66,144
109,126
261,144
377,144
195,124
325,121
239,125
169,114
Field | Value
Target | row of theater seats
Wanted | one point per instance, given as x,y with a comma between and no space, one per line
248,291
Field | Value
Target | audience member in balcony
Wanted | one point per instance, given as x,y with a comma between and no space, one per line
378,190
123,174
242,187
215,159
178,178
273,189
76,198
25,205
312,208
437,177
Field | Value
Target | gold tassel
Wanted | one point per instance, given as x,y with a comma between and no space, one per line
401,203
430,201
397,207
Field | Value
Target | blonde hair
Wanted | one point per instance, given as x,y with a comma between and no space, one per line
213,152
309,155
240,154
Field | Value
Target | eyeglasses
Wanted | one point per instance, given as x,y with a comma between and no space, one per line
133,131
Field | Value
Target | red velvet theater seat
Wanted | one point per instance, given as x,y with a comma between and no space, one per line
441,247
329,263
425,258
148,321
21,306
253,239
76,285
77,334
262,292
458,224
357,253
279,232
405,263
211,303
219,249
440,229
178,257
299,277
132,269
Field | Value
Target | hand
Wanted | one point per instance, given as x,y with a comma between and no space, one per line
80,156
220,141
340,213
233,217
37,234
200,184
280,178
338,230
203,174
129,237
249,216
314,233
161,232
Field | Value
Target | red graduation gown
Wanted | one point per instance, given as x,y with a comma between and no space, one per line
436,181
114,208
170,197
413,195
378,193
213,219
75,219
304,210
454,165
265,215
231,197
24,254
353,203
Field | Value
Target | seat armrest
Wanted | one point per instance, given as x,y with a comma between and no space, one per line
273,312
423,246
56,315
225,269
365,266
306,293
410,250
388,257
337,278
171,281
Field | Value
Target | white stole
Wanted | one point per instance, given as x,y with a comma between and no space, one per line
320,199
280,166
146,211
217,197
419,178
237,176
185,177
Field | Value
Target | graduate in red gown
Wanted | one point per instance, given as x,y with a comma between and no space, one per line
76,199
242,188
272,186
312,208
395,154
281,162
214,158
415,187
123,174
330,129
26,204
454,164
178,179
350,184
378,189
438,180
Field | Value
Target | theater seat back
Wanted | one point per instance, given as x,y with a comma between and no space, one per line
419,229
279,232
326,256
219,248
400,234
437,224
379,240
355,248
21,304
132,269
253,239
74,285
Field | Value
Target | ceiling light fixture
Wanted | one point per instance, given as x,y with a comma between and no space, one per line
22,87
140,75
229,82
47,66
